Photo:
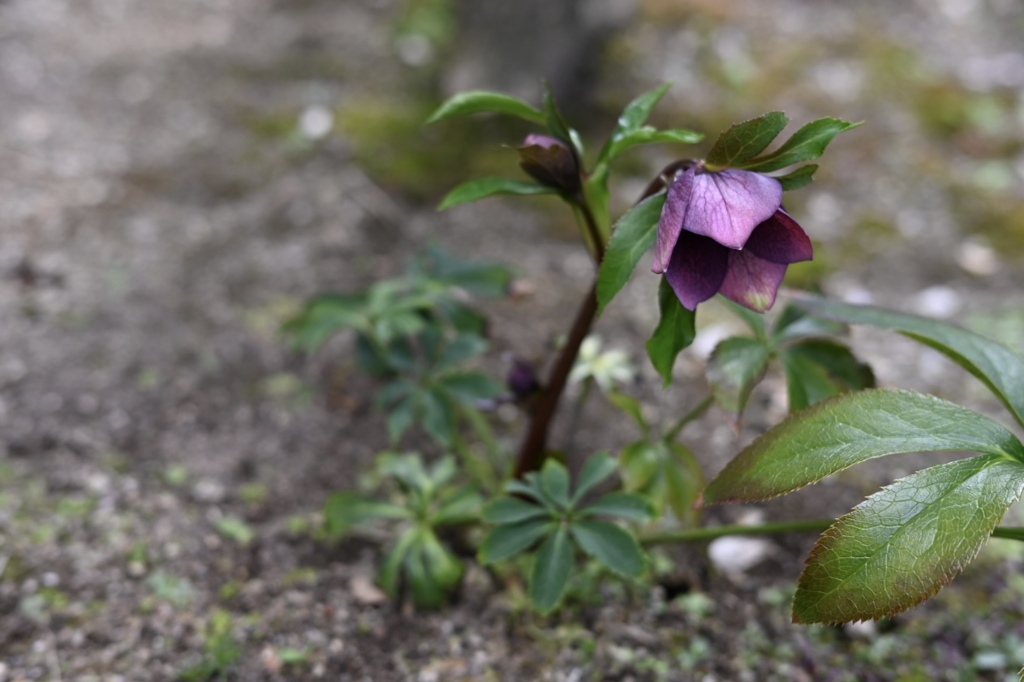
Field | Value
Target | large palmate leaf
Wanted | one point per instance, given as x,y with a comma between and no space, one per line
997,366
851,428
904,543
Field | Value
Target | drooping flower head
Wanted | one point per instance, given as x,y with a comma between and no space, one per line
726,232
551,162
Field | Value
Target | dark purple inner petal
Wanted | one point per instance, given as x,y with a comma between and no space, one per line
751,281
697,268
780,239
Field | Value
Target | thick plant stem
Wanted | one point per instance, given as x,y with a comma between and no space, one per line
531,452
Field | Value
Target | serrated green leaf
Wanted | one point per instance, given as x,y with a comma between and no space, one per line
554,482
508,540
649,135
676,331
509,510
438,415
471,387
633,236
997,366
852,428
904,543
611,545
462,507
807,143
390,574
482,188
746,140
622,505
596,469
480,101
551,571
817,369
736,366
346,509
807,383
801,177
636,112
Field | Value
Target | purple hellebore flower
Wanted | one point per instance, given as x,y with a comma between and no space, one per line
551,162
726,232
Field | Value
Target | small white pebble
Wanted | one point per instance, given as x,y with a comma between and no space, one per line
938,301
316,122
738,554
977,258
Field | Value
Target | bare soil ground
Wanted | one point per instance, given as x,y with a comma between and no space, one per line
164,455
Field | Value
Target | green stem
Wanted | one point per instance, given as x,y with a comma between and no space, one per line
696,412
702,534
806,525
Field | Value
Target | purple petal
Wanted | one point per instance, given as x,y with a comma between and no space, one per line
728,205
780,239
697,269
751,281
672,217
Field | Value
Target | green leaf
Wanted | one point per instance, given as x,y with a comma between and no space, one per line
904,543
554,482
325,316
649,135
807,382
736,366
472,387
623,505
801,177
462,348
794,324
481,188
477,101
746,140
636,112
997,366
347,509
851,428
807,143
550,574
444,568
596,469
753,320
401,415
675,331
390,574
508,540
462,507
486,279
556,123
509,510
818,369
667,474
633,236
630,406
438,415
611,545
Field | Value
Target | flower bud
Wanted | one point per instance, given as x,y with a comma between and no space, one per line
550,162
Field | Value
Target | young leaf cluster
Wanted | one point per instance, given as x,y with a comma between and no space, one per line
543,509
426,500
904,543
419,332
816,365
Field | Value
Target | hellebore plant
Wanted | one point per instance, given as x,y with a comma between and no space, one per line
716,225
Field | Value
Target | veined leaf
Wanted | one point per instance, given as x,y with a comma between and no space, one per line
636,112
478,101
675,331
481,188
807,143
506,541
632,237
596,469
744,141
554,482
801,177
649,135
904,543
852,428
734,369
609,544
551,571
623,505
997,366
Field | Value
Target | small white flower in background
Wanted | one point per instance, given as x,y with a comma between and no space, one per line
606,368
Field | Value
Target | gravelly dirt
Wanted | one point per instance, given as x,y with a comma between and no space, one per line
152,240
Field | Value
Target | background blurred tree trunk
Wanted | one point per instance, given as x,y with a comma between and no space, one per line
514,45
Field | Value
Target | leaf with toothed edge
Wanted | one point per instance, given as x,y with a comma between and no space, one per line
903,544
